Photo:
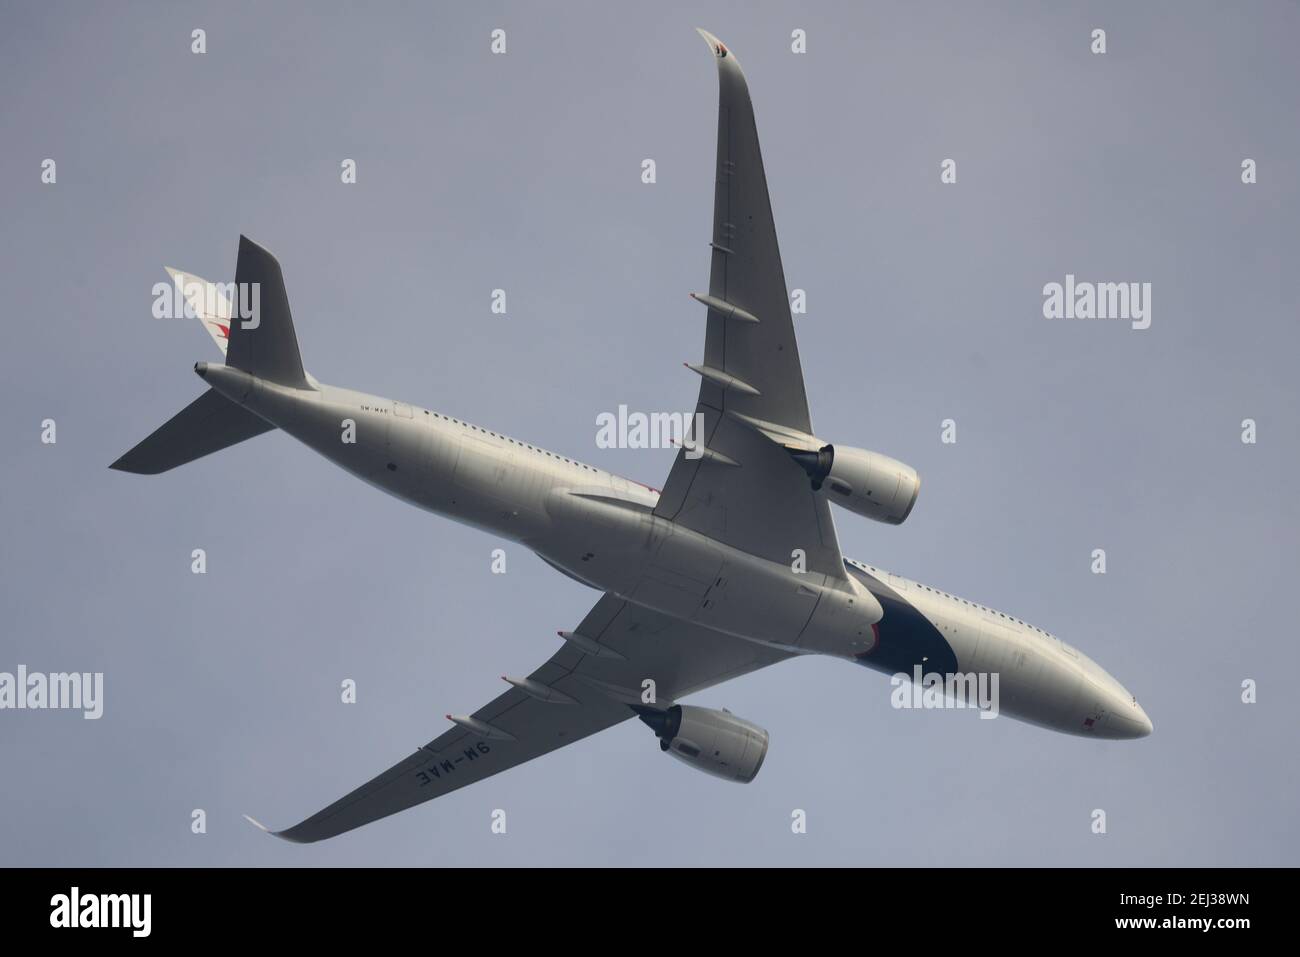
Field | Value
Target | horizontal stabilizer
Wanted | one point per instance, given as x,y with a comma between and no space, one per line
208,424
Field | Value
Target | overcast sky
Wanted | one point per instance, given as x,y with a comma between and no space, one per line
522,172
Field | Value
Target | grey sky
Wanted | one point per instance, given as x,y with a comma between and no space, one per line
522,172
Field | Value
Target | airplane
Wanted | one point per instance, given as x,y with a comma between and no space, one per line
733,566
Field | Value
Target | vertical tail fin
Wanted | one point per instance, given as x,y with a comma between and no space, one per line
261,342
264,344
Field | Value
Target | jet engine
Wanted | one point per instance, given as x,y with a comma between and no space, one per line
716,742
868,483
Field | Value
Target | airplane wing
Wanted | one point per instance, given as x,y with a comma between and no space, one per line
585,687
745,489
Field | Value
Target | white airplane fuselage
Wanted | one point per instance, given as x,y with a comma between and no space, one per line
600,529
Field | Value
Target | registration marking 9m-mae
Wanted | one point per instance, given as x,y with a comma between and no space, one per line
446,766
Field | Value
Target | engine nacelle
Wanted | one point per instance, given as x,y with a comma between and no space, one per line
868,483
716,742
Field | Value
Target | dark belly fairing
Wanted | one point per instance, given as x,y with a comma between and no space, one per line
905,637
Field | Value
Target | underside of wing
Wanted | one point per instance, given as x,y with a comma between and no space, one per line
741,487
593,682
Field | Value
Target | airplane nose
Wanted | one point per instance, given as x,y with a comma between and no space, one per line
1113,712
1147,726
1125,719
1131,722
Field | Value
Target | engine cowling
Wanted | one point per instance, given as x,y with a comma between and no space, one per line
868,483
716,742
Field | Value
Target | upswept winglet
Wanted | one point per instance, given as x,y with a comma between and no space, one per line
717,46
